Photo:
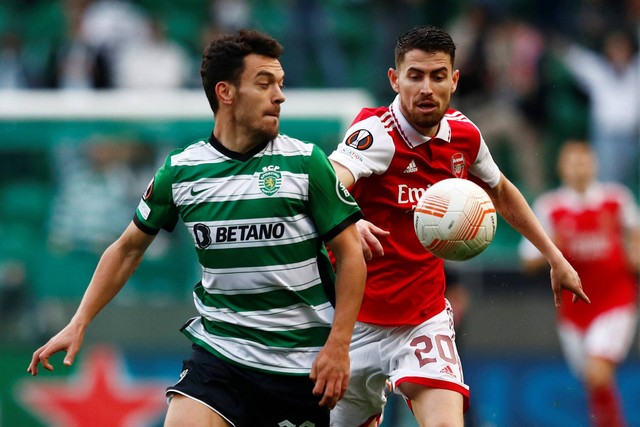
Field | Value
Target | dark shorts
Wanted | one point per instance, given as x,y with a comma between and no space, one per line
249,398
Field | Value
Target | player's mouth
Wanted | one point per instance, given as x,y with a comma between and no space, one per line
273,113
426,107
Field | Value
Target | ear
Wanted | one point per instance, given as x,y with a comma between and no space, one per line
455,78
393,79
225,92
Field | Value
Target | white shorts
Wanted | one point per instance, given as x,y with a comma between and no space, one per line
425,354
609,336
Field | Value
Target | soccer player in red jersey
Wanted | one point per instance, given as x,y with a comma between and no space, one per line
389,156
595,224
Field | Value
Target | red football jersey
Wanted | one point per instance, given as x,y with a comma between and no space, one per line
590,230
393,164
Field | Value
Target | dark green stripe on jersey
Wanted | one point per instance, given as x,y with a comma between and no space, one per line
312,296
292,338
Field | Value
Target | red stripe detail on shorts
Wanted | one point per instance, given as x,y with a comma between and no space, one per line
433,383
375,418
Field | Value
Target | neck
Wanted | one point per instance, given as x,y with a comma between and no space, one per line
580,187
233,137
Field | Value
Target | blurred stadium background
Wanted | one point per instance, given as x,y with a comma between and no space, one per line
93,95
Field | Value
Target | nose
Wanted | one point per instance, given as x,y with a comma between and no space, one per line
279,97
426,87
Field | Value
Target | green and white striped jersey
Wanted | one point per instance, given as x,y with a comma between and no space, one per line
258,222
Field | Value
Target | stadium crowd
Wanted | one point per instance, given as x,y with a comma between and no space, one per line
521,79
517,85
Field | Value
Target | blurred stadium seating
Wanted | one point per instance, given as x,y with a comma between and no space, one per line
508,338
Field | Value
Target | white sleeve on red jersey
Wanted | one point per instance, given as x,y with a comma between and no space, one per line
362,156
485,167
629,208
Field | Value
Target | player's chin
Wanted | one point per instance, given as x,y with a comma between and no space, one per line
272,121
429,120
267,134
271,127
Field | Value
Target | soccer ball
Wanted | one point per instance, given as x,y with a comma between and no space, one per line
455,219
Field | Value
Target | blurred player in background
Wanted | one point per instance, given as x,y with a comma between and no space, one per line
610,78
269,348
595,224
389,155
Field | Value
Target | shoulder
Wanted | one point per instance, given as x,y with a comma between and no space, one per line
612,187
288,146
616,191
297,156
461,125
466,136
554,199
370,131
370,125
195,152
368,145
370,112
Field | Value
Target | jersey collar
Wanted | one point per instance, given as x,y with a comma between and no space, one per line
215,143
593,194
411,136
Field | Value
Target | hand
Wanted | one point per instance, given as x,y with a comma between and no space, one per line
369,238
565,277
69,340
330,373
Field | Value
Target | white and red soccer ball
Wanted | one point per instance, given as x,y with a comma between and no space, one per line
455,219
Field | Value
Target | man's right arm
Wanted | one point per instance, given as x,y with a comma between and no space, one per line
344,175
116,266
369,234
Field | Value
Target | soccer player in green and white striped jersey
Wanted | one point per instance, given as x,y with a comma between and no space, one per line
272,338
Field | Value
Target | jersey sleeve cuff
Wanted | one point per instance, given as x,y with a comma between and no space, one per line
143,227
351,219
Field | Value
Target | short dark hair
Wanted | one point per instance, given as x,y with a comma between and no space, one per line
427,38
223,59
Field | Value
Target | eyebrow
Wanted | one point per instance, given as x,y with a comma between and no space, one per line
420,70
269,74
265,73
271,77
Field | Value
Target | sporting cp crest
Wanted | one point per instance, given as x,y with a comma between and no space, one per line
270,180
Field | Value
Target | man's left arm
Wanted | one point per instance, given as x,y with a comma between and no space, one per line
330,370
513,207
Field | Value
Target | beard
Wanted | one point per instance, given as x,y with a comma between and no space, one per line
266,132
262,124
424,122
261,129
427,121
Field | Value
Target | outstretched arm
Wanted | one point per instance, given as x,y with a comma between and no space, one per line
116,265
513,207
330,370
